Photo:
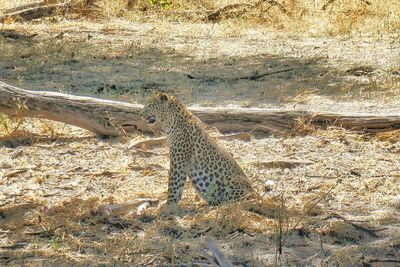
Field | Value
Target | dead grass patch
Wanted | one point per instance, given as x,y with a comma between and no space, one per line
326,17
53,218
52,184
318,17
392,136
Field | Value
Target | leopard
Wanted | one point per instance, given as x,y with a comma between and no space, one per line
195,154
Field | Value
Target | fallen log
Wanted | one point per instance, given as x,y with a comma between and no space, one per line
111,118
35,10
102,117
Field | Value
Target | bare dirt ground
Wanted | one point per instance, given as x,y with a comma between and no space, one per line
202,63
338,191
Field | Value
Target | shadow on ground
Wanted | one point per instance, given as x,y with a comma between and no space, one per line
80,66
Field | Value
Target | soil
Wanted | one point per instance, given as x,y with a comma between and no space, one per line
204,64
337,191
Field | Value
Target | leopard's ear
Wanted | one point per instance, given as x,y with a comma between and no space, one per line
163,97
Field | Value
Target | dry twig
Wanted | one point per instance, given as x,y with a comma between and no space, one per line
112,210
148,142
15,173
330,2
45,232
281,164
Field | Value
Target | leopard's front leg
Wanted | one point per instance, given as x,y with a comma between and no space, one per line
178,172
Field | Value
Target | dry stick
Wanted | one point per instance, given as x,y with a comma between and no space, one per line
110,210
15,172
252,77
282,213
44,232
281,164
148,142
15,246
201,233
255,77
321,245
331,2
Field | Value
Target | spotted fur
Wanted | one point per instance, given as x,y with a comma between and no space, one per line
214,173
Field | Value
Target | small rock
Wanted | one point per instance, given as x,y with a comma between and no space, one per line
269,186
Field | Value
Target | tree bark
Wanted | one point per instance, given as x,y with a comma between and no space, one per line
111,118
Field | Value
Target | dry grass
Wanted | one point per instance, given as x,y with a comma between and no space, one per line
32,130
127,50
318,17
341,207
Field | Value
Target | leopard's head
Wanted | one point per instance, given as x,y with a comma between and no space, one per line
155,109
